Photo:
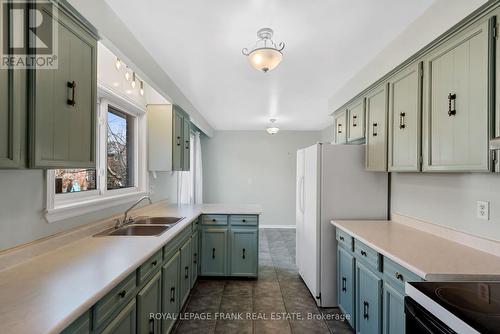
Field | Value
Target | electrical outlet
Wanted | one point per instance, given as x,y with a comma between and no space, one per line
483,210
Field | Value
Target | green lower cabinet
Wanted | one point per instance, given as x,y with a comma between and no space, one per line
185,272
170,295
345,284
368,301
124,322
214,250
148,302
394,310
79,326
195,249
244,243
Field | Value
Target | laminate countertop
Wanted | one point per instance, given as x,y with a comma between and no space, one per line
48,292
431,257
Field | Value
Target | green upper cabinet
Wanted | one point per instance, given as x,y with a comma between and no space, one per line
244,243
405,96
456,119
356,120
376,129
186,154
62,101
340,127
149,302
181,136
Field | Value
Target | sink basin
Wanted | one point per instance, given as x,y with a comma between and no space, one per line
157,220
136,230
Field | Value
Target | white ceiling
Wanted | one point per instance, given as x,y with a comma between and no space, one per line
198,43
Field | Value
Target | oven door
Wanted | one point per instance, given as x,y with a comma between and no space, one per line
421,321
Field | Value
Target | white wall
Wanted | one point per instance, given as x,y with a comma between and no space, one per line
327,134
254,167
449,200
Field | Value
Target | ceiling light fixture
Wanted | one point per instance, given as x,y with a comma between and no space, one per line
127,74
133,80
266,54
118,63
141,90
272,129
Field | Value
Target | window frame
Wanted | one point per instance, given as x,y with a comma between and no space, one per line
67,205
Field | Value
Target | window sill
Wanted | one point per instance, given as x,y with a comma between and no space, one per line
91,204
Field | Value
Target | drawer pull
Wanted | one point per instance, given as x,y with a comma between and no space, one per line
402,124
244,220
186,272
213,253
365,310
172,294
374,131
341,238
452,98
363,253
178,141
122,294
187,144
339,128
72,85
243,254
399,276
195,255
354,120
214,220
154,263
344,284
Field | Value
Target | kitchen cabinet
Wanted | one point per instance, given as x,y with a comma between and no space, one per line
368,300
149,302
456,117
185,272
356,121
376,129
405,112
214,251
340,127
79,326
394,310
62,102
125,321
169,129
195,248
345,283
170,292
244,252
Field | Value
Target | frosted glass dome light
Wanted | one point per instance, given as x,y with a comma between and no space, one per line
265,55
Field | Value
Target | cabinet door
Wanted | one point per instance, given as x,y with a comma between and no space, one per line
376,125
405,110
79,326
177,150
149,301
214,249
340,125
368,301
186,156
244,252
170,292
63,117
195,248
125,321
457,109
345,284
394,311
356,121
185,273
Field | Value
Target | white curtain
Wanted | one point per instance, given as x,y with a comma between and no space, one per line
190,183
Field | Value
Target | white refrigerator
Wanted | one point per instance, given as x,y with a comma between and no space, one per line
332,184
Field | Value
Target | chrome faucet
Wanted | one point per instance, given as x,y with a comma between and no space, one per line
126,218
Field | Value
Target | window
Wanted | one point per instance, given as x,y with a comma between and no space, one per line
120,176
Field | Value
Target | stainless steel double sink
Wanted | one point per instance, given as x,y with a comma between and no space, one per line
143,226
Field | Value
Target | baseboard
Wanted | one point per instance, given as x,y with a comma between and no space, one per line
277,226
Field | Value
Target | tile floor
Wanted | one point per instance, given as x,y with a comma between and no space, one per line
278,289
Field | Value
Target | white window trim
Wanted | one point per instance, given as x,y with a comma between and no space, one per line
64,206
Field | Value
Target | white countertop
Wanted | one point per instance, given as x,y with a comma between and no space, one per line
48,292
427,255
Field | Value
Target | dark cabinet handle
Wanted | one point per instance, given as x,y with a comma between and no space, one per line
344,284
363,253
214,220
151,326
354,117
399,276
452,99
341,238
339,130
195,255
365,309
122,293
154,263
187,144
178,141
186,272
172,294
402,124
244,220
213,253
375,130
243,253
72,85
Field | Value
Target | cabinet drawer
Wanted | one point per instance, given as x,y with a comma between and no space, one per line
244,220
344,239
149,267
367,255
196,224
397,275
214,220
106,308
175,244
79,326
